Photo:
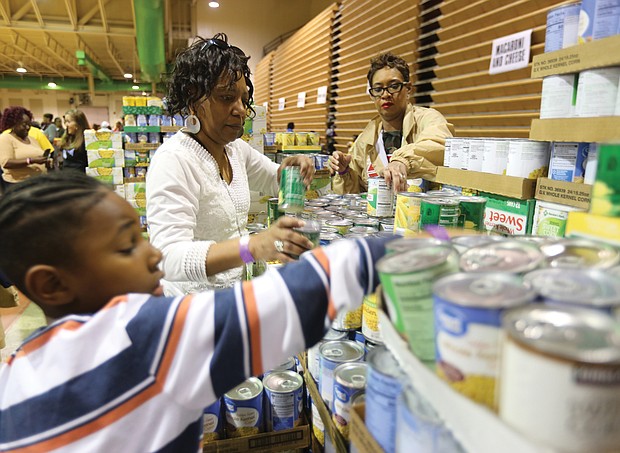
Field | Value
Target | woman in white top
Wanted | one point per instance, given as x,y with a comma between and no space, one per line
199,181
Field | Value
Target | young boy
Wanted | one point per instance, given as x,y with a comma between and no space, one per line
116,372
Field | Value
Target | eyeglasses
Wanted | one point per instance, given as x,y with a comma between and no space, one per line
394,88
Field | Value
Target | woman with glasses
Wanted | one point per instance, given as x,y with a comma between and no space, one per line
199,181
402,141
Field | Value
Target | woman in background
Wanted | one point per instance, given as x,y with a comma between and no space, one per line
21,156
72,145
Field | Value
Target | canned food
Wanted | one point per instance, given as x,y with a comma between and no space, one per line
332,354
495,155
407,217
568,161
284,400
366,222
380,198
349,379
244,409
468,310
472,213
588,288
362,230
342,225
383,386
348,320
419,428
370,319
407,280
528,159
510,255
311,230
406,244
575,352
318,427
597,91
464,243
562,27
387,224
439,211
598,19
212,426
559,93
292,191
310,212
288,365
580,253
313,352
327,238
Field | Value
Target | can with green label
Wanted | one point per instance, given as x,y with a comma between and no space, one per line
439,211
472,213
292,191
273,213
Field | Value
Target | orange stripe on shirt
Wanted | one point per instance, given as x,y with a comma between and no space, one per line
322,259
130,405
251,310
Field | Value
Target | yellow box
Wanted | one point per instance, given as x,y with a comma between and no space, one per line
596,227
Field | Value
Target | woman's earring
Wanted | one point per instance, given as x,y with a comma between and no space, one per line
192,124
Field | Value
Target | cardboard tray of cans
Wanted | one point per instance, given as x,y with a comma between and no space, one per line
563,192
330,428
360,437
508,186
142,146
288,439
473,425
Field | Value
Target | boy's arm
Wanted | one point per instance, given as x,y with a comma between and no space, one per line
258,324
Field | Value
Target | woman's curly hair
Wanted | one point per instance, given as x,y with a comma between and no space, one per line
13,115
198,69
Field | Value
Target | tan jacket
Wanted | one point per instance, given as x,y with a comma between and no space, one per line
424,134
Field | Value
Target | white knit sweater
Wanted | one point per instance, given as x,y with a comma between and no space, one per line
190,207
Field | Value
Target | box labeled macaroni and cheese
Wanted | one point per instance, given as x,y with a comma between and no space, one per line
107,158
112,175
102,139
508,215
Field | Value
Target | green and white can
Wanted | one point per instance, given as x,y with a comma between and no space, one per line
439,211
380,198
472,213
292,191
407,280
273,213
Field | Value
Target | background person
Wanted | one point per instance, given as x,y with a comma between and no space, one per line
21,157
113,368
60,131
72,146
403,140
199,181
48,127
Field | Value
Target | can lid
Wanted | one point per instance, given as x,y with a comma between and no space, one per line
506,256
474,240
381,359
580,334
405,244
412,194
454,201
283,381
246,390
415,260
327,236
333,334
363,229
339,222
352,374
484,290
580,253
311,226
576,286
341,351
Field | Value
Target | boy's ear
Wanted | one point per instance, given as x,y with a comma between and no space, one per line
45,285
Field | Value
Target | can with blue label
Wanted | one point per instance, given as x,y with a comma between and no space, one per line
313,356
349,380
383,386
283,400
332,354
212,425
598,19
288,365
468,310
244,409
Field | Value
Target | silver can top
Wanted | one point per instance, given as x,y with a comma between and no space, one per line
580,253
381,360
352,374
504,256
578,334
416,260
283,381
341,351
405,244
246,390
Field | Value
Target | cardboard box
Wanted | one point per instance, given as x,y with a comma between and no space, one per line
360,437
135,190
288,439
102,139
107,175
106,158
508,215
139,204
601,129
141,146
550,219
596,227
595,54
508,186
562,192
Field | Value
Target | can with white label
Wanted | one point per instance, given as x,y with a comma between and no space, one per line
528,159
370,319
559,94
380,198
560,377
475,154
597,92
495,156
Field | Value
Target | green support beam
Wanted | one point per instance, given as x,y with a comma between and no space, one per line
150,38
84,60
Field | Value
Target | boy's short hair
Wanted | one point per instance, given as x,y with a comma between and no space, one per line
40,217
388,60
